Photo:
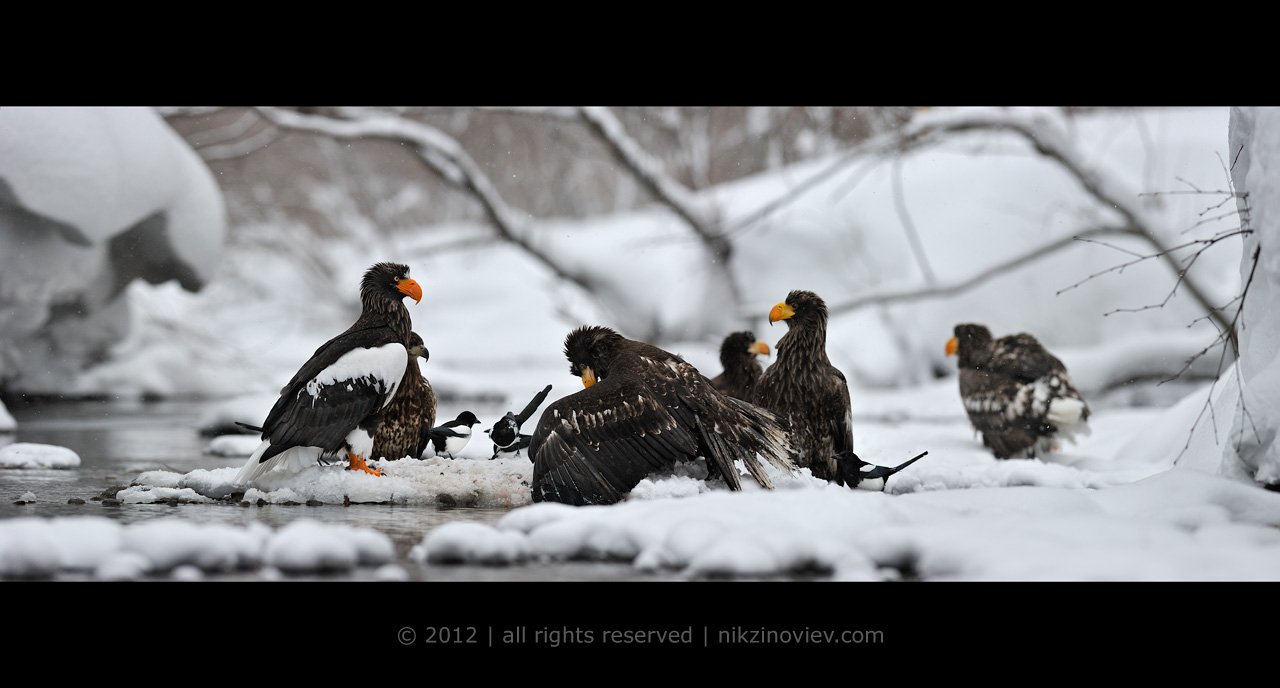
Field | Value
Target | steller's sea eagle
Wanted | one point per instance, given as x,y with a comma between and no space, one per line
642,410
1017,394
742,370
335,401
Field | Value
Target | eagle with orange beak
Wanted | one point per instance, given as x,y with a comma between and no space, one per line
1016,393
643,410
335,402
805,390
742,370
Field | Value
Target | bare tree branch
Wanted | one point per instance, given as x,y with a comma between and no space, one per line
442,154
236,149
551,112
900,202
968,283
651,175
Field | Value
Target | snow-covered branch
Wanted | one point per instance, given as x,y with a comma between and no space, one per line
960,286
651,175
442,154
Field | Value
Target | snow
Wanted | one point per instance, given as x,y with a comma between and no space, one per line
183,549
307,545
7,423
30,455
1252,439
233,445
470,542
500,483
27,497
75,179
150,495
1174,526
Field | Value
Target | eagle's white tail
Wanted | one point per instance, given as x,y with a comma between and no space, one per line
294,459
1065,411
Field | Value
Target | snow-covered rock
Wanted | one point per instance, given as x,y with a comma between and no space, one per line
500,483
470,543
90,200
141,494
30,455
307,545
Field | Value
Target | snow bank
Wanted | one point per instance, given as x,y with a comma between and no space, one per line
233,445
41,548
29,455
1174,526
1252,439
90,200
150,495
500,483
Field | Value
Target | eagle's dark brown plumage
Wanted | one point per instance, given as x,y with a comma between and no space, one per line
805,390
644,410
742,370
1017,394
409,418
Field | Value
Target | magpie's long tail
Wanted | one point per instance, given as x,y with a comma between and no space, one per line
906,463
532,406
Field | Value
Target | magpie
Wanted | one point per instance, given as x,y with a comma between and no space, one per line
451,438
506,432
855,472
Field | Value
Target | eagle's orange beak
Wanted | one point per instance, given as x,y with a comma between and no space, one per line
953,345
781,312
588,376
758,347
411,289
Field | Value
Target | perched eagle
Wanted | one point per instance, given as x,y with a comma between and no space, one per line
407,422
335,401
1016,393
805,390
741,368
643,410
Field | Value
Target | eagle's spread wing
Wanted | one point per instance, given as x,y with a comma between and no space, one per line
592,447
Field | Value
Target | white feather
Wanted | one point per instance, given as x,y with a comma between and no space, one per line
1065,411
289,461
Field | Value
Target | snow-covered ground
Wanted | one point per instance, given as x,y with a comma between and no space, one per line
29,455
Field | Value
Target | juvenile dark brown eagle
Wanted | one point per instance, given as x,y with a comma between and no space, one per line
805,390
335,401
1017,394
742,370
643,410
407,421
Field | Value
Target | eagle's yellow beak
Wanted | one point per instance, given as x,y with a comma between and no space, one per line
411,289
781,312
953,345
758,347
588,376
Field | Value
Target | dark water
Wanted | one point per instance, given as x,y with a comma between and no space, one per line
118,440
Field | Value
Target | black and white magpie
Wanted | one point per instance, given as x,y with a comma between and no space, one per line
855,472
505,434
451,438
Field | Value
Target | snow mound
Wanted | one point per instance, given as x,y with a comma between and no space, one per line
37,548
142,494
233,445
471,542
167,543
29,455
7,422
27,497
307,545
500,483
1178,525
